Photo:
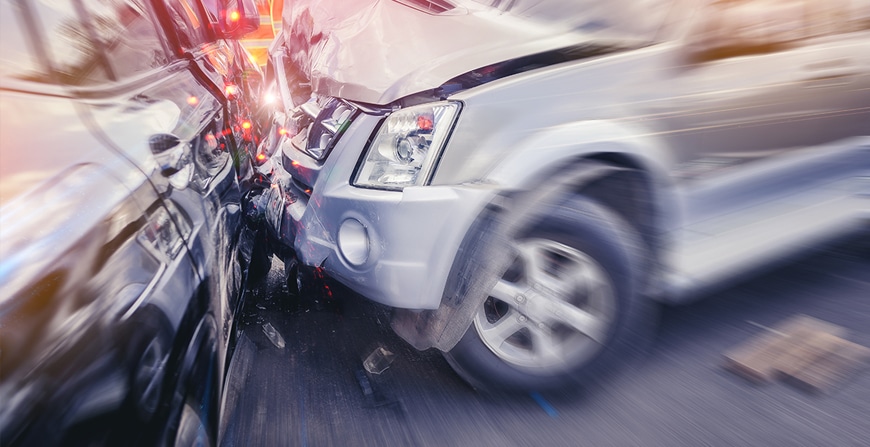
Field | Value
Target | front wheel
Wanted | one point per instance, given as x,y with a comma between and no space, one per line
192,429
195,418
565,310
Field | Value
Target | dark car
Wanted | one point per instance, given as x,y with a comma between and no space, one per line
126,129
523,180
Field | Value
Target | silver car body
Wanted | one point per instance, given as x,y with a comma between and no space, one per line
747,159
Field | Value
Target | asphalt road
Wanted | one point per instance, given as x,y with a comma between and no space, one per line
306,391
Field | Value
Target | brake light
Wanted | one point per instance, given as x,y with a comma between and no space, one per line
231,91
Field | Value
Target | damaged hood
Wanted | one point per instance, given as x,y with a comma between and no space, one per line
377,51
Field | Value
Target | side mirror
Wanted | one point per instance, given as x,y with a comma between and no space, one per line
730,28
237,18
173,159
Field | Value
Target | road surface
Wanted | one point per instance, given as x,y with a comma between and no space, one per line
307,391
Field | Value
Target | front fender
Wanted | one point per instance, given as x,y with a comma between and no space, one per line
537,175
536,160
484,255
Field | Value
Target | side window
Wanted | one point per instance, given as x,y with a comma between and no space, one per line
212,8
17,51
191,27
127,32
836,16
74,57
731,28
91,42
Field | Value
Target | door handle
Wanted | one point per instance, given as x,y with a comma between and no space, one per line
830,72
829,80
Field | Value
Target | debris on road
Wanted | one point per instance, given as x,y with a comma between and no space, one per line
841,362
373,398
274,336
379,360
803,351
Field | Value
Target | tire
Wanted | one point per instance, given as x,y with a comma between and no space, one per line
193,418
566,311
146,353
192,430
291,276
261,262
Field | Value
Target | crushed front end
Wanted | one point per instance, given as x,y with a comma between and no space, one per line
349,194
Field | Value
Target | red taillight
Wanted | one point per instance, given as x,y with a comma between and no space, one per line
211,141
231,90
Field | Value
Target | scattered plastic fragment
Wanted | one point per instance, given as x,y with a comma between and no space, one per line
379,360
364,384
273,335
373,397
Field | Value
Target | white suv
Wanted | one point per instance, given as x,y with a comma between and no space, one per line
523,180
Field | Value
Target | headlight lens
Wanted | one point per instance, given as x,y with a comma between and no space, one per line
406,146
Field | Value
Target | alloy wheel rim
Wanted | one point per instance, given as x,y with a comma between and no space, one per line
550,311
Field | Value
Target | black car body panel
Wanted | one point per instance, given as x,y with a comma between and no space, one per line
122,265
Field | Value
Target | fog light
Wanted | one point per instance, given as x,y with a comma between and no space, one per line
353,241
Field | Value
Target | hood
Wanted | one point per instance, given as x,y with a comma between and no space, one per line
377,51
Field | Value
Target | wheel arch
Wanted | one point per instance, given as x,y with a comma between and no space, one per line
639,188
601,170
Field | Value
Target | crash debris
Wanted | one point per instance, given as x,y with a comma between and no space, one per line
379,360
273,335
810,354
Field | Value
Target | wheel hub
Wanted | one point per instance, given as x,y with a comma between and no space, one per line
552,312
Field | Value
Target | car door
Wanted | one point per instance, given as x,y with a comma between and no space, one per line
95,278
221,153
765,117
763,80
762,75
190,152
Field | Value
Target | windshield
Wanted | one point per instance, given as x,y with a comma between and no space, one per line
633,19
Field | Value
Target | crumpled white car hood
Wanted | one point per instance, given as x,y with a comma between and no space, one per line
377,51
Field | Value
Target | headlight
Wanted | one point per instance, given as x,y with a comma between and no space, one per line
406,146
